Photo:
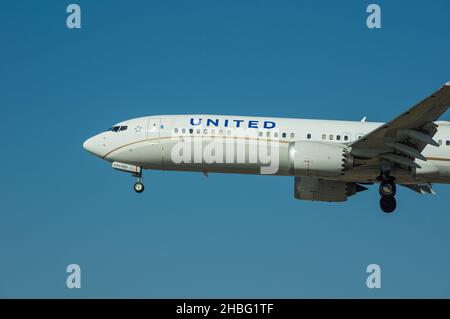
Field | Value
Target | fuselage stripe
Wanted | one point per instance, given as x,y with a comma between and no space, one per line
195,136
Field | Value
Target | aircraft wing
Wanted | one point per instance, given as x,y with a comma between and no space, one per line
402,140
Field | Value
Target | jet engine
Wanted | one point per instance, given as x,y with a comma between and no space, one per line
316,189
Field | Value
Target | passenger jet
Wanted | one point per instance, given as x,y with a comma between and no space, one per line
329,160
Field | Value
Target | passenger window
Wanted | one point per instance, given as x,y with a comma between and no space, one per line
205,131
324,136
268,134
440,142
338,137
191,131
448,142
275,134
260,134
292,135
198,131
213,131
220,132
345,138
284,135
308,136
331,137
176,130
183,131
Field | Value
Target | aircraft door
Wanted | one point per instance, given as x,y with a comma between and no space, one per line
153,150
154,125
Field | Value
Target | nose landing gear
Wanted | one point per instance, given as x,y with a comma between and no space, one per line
138,187
136,171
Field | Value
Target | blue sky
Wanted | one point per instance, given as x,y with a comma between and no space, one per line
228,235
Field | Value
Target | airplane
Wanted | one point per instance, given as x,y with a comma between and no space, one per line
330,160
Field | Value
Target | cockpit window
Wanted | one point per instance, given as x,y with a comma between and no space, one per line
118,128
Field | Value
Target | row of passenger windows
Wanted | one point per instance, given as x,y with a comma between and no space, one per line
330,137
228,132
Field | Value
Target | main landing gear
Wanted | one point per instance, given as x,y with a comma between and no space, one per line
387,191
387,188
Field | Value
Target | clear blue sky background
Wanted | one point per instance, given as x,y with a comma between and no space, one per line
228,235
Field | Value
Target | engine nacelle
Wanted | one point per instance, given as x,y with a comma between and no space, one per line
318,159
316,189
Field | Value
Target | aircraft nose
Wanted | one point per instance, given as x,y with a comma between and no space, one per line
92,146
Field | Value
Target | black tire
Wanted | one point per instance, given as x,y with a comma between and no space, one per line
387,189
388,204
139,187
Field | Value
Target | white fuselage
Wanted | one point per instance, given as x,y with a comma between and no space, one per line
152,142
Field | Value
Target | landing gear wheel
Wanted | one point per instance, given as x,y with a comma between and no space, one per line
138,187
387,189
388,204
